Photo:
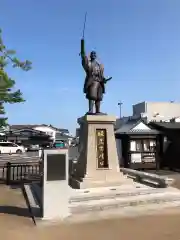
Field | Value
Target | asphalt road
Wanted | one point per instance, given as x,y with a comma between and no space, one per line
26,157
30,157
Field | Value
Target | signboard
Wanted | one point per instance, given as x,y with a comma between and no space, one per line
59,144
101,147
56,167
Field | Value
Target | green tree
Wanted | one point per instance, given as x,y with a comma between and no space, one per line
7,95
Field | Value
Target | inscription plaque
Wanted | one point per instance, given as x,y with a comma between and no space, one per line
56,167
101,146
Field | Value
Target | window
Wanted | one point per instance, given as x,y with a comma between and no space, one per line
6,144
133,146
14,145
149,145
26,133
49,133
146,145
136,145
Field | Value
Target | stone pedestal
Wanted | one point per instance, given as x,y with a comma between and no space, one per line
98,164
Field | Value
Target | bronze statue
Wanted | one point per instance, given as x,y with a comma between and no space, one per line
94,85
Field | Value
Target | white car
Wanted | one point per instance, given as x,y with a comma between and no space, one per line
9,147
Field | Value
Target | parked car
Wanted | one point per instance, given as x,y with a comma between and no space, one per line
9,147
33,147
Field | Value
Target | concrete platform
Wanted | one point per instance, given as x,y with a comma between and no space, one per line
121,197
109,202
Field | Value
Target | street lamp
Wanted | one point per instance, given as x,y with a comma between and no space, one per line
120,108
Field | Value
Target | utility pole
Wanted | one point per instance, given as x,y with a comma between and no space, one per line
120,108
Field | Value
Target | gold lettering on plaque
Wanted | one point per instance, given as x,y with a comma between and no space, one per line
102,161
101,148
101,141
101,155
100,134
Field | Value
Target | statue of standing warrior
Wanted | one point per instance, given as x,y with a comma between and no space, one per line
94,86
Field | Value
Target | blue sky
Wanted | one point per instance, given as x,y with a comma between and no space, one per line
137,41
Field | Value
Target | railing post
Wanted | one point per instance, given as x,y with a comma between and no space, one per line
8,173
41,172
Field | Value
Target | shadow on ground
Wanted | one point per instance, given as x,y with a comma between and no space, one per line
13,210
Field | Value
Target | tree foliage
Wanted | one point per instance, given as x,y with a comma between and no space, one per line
7,95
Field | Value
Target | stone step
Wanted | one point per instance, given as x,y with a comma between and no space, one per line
122,202
111,193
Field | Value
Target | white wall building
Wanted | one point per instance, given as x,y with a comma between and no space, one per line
47,130
53,132
157,111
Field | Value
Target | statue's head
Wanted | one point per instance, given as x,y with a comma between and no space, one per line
93,55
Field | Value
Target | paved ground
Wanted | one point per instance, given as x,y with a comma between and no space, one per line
15,223
164,227
171,174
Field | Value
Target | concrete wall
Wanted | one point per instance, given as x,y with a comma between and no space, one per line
157,110
119,149
162,110
139,108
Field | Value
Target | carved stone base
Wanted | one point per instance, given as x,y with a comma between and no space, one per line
90,171
97,182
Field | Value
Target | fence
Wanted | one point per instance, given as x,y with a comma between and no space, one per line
15,173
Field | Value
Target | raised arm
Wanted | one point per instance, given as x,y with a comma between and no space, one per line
83,55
